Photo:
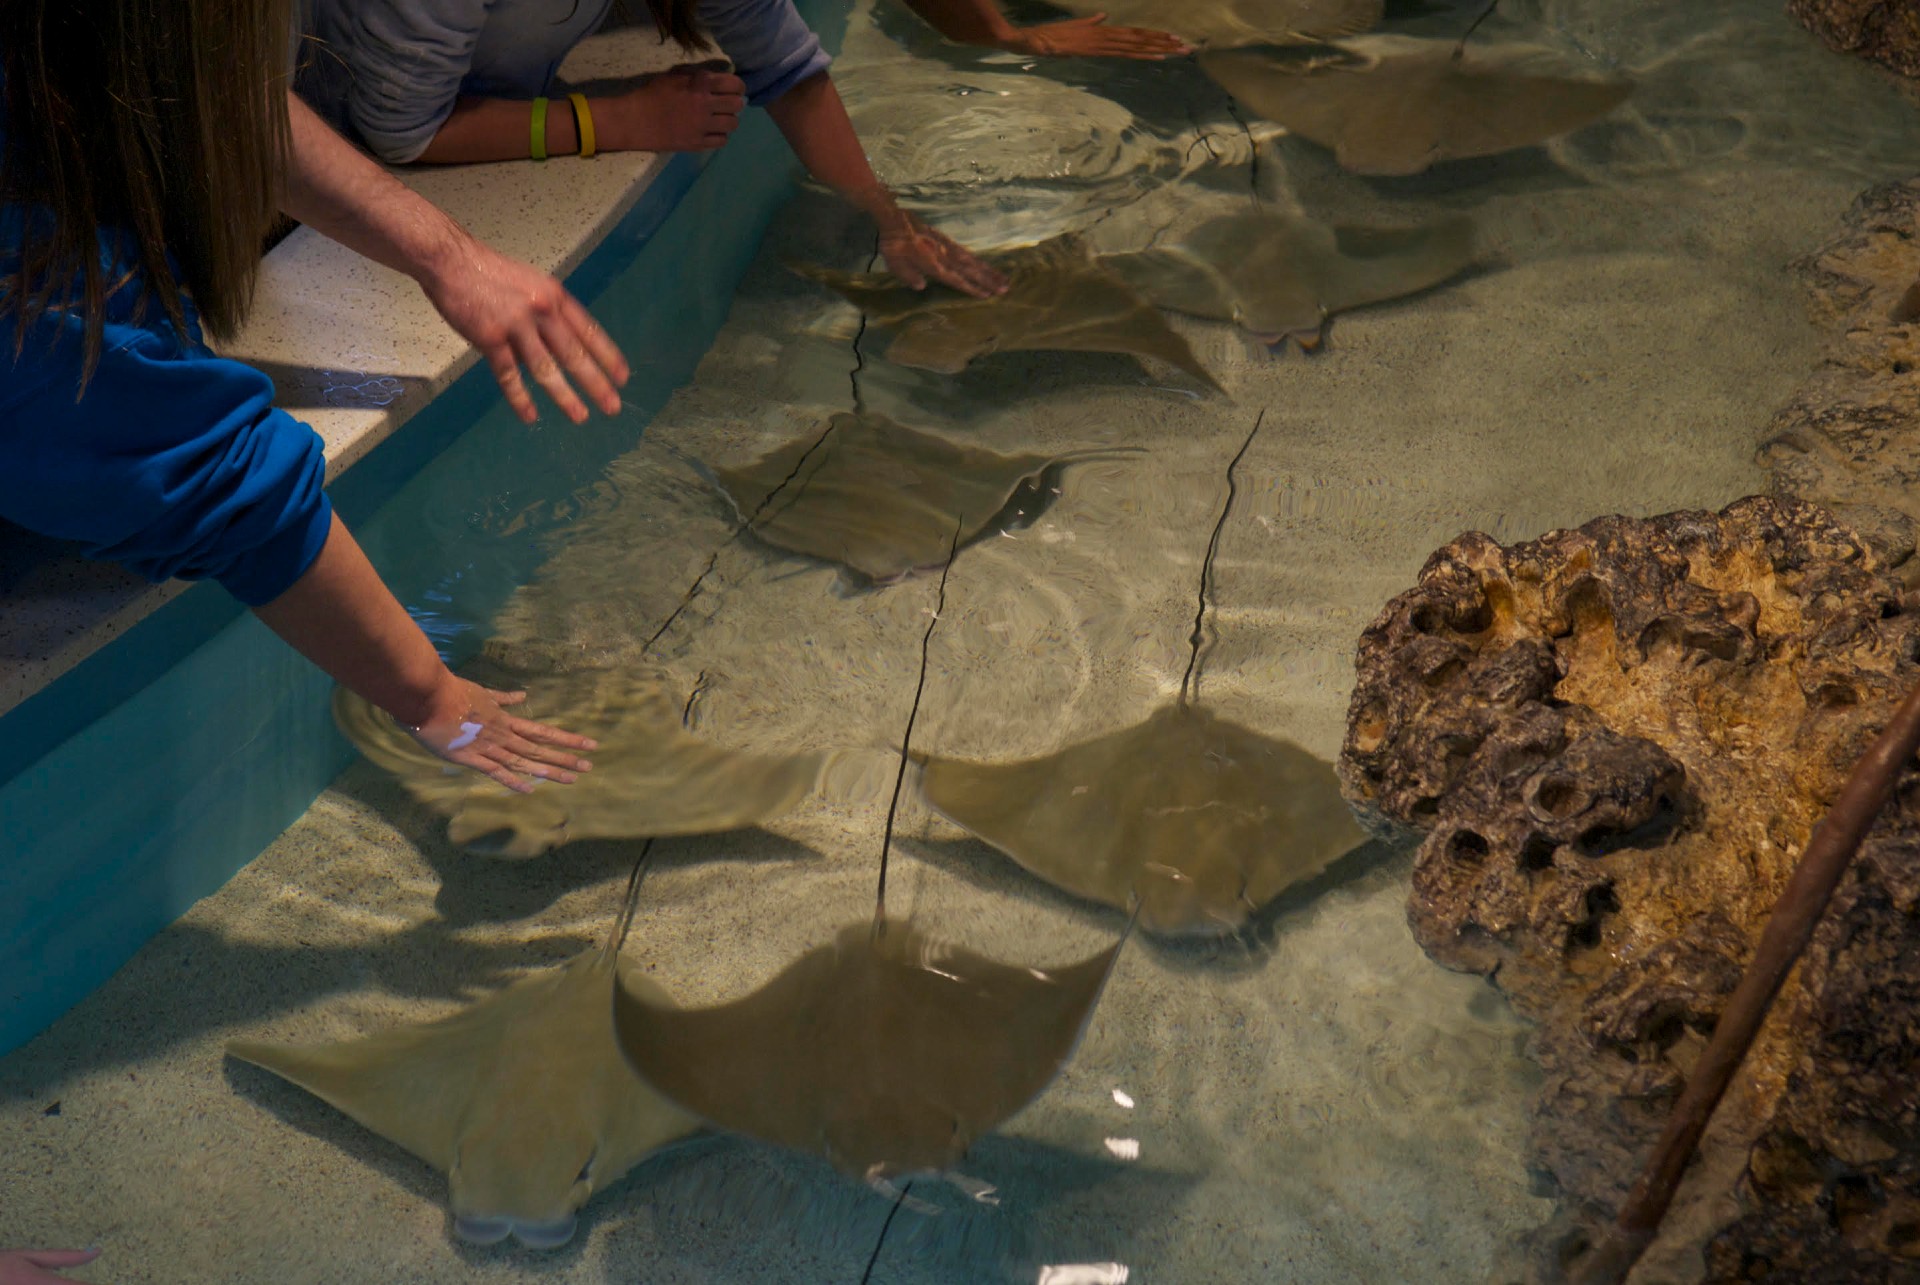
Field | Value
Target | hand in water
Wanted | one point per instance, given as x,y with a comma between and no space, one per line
687,109
38,1266
1092,38
516,314
917,253
469,726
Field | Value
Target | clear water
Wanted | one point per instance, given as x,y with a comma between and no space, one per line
1313,1101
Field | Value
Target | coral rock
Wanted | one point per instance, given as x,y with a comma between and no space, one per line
1887,31
1613,743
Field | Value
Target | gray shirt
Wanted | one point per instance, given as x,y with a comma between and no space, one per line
389,71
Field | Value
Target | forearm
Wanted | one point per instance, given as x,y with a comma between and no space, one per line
343,194
967,22
501,129
340,615
815,124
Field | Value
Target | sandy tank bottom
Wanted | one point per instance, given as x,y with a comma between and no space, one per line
1313,1101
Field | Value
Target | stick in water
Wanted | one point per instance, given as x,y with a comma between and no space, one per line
1795,915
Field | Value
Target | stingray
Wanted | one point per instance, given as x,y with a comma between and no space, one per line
884,500
1227,24
1059,297
650,778
1280,276
1201,820
1400,104
884,1052
524,1100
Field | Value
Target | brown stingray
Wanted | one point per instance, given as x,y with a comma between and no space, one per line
1401,104
1200,819
1279,276
524,1100
885,500
1229,24
1059,297
886,1054
650,778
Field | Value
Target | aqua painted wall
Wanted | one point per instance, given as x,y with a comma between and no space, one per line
142,780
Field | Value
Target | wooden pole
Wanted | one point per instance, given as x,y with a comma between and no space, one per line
1795,915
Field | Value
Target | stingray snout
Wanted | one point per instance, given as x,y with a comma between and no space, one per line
533,1233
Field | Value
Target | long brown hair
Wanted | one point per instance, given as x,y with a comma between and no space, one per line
677,20
162,120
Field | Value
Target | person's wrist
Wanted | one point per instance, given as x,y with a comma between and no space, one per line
430,696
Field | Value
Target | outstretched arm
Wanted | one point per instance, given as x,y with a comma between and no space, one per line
342,617
980,22
815,124
512,312
685,109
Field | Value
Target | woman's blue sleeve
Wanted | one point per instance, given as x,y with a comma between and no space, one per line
770,44
398,64
171,464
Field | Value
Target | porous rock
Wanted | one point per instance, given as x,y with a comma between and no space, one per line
1887,31
1613,743
1850,436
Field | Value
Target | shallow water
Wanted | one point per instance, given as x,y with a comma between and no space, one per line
1310,1101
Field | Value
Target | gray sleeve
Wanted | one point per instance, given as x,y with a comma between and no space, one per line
399,66
770,44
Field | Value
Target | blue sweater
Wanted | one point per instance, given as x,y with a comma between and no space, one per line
172,461
389,71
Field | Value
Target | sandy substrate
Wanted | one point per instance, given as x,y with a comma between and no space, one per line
1314,1102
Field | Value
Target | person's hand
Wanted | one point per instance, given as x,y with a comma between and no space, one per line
516,314
1092,38
37,1266
917,253
687,109
468,725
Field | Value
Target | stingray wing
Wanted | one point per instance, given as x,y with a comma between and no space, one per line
883,499
984,1038
883,1055
1201,820
1496,100
1224,24
651,778
753,1066
412,1086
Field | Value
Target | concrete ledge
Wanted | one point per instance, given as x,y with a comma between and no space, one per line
354,350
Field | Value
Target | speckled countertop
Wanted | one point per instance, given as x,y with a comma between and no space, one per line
354,349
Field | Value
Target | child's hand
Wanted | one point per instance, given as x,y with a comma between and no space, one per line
37,1266
469,727
917,253
687,109
1092,38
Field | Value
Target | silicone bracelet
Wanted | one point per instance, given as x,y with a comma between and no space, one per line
583,123
539,129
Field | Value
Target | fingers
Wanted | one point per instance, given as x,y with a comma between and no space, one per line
1087,37
1138,42
56,1258
724,84
506,373
963,270
544,733
599,343
503,699
531,349
565,342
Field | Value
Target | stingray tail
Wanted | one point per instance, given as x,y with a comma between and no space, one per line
624,923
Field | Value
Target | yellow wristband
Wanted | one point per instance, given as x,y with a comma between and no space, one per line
539,129
583,122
